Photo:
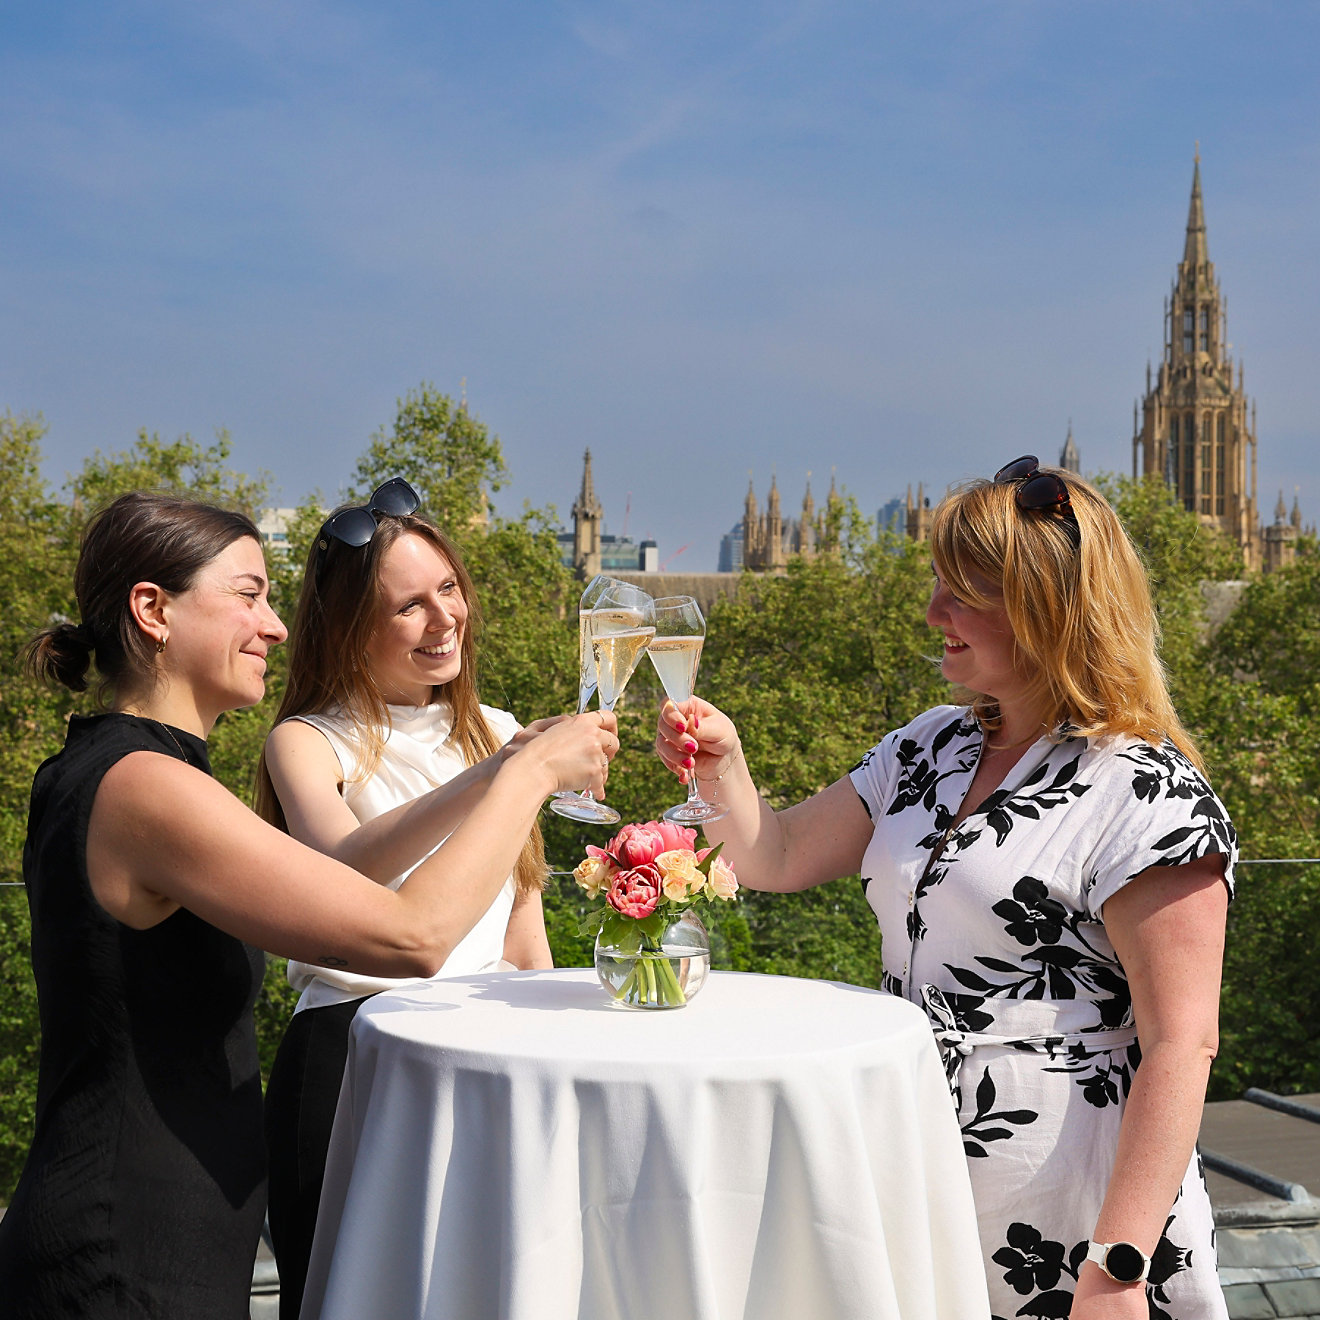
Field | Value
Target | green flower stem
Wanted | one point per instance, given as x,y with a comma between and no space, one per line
652,980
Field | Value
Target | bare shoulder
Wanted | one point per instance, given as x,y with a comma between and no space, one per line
149,785
148,808
295,743
306,774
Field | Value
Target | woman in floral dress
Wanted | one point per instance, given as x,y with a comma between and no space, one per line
1051,874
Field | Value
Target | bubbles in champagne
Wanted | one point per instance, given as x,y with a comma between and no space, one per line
676,660
618,639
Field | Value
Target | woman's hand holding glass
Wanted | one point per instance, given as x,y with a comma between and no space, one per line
574,749
696,740
675,651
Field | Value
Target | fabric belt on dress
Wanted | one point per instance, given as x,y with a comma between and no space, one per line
1038,1025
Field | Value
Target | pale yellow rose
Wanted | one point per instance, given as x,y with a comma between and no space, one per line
721,883
679,875
593,874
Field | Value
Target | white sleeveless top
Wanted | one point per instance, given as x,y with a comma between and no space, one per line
418,756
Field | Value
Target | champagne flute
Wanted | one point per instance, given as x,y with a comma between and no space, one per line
595,589
586,660
619,628
675,651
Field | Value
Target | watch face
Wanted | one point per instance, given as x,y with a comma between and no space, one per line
1124,1262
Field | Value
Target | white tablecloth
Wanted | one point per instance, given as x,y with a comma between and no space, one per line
514,1147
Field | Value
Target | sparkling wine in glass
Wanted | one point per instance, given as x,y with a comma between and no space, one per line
586,657
619,628
675,651
595,589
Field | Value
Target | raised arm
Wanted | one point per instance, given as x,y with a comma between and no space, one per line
308,778
163,835
820,839
1167,927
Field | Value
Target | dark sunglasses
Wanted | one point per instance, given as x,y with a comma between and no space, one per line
356,526
1040,492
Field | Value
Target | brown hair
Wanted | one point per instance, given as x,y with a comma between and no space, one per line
140,537
328,665
1081,615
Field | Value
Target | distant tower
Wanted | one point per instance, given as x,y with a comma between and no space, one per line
751,529
1195,430
773,540
587,515
806,545
832,518
1281,537
1070,460
918,515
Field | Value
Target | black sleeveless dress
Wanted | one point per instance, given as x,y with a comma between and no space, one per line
144,1190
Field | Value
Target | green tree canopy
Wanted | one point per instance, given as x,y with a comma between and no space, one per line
443,451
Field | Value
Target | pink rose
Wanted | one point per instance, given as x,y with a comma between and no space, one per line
635,892
720,879
636,845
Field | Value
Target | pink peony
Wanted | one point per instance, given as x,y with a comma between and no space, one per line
637,845
635,892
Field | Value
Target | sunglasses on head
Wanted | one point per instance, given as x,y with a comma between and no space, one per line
356,526
1040,492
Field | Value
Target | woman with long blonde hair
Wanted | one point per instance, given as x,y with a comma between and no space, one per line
381,746
1050,872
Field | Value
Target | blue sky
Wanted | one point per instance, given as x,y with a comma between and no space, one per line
901,242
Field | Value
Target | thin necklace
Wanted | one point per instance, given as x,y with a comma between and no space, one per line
169,733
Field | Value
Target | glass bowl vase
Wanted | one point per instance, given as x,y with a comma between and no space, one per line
664,971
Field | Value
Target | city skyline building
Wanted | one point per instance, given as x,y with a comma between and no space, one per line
589,549
1195,429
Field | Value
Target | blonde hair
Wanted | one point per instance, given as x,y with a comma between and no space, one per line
329,668
1081,616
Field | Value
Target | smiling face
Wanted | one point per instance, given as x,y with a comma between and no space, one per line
979,648
219,631
417,643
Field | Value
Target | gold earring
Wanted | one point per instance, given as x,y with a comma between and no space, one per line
160,644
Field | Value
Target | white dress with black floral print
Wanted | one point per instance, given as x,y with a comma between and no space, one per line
1000,941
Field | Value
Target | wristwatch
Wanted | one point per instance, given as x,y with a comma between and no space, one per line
1123,1262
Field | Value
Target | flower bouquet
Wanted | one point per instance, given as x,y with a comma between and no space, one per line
652,950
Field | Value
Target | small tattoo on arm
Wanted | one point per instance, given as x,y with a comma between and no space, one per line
329,960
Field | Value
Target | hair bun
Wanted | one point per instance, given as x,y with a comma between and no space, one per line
61,653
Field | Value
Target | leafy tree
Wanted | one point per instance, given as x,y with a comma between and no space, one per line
445,453
35,574
452,461
1257,706
182,467
1274,634
815,664
1180,554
